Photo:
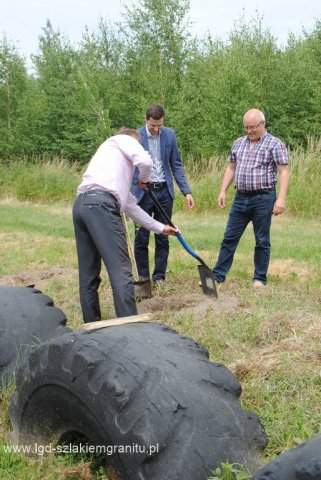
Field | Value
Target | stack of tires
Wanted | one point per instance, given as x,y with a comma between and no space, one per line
146,397
28,318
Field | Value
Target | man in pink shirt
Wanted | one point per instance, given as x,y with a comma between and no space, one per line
100,235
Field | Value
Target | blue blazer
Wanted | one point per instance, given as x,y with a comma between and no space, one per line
172,163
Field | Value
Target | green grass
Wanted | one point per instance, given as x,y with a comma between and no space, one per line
270,339
37,219
14,465
33,231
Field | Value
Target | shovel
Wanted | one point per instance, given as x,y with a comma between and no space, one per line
206,274
142,288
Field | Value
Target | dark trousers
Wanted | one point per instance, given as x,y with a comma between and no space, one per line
258,210
161,241
100,235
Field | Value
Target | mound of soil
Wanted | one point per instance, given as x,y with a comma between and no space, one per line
196,304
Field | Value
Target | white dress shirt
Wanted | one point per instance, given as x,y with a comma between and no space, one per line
158,174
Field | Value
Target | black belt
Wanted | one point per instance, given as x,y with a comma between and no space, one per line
251,193
94,193
97,192
158,185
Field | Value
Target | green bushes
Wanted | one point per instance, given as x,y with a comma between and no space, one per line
76,97
45,180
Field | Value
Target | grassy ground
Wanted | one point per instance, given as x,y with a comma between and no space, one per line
270,339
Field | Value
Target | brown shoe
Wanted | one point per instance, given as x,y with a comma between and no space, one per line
143,279
258,284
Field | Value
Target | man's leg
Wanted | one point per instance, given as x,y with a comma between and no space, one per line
237,223
142,239
89,265
262,216
161,241
108,232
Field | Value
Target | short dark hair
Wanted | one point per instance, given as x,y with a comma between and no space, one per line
155,111
129,131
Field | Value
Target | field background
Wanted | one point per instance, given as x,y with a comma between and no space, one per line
53,116
270,339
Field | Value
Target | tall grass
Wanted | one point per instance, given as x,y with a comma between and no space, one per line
304,195
40,180
304,198
45,180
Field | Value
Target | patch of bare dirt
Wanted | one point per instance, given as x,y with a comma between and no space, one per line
196,304
286,268
38,278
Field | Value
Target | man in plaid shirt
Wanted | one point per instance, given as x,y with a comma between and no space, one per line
254,162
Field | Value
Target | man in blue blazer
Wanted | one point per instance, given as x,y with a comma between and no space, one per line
161,144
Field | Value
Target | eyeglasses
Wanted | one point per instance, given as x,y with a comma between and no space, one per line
252,128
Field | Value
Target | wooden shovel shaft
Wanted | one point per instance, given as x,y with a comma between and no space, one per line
130,247
143,317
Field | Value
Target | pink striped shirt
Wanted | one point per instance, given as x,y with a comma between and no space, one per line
112,168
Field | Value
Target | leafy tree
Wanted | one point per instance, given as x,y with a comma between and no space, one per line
79,96
156,50
31,127
75,123
222,81
310,55
13,80
99,76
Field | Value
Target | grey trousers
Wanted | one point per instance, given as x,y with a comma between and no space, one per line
100,235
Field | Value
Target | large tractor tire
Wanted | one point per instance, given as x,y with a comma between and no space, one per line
27,318
143,390
300,463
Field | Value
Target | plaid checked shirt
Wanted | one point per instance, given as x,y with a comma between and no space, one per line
256,166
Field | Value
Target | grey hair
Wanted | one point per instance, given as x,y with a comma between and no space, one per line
259,115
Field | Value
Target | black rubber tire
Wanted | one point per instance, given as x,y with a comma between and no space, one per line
27,318
300,463
136,384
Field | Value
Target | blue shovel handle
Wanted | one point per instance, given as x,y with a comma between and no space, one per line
181,239
179,236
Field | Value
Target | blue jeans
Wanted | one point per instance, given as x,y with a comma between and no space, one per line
258,210
161,241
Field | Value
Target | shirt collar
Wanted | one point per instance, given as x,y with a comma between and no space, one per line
264,134
149,135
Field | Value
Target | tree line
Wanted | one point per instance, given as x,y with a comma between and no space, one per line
74,97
